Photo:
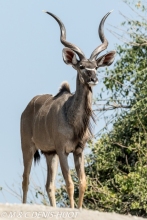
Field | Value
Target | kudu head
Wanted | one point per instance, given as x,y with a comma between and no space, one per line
86,67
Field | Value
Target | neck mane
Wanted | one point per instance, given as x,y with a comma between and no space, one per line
79,110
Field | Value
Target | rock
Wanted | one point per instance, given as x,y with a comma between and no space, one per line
31,212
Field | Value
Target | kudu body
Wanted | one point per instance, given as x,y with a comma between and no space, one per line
59,125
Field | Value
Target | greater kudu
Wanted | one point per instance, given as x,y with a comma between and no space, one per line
59,125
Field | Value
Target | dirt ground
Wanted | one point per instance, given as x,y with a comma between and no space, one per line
31,212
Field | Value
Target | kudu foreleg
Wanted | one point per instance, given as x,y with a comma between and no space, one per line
79,165
52,165
67,177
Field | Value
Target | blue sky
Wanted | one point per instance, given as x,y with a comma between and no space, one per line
31,61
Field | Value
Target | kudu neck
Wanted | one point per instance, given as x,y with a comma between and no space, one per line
82,91
80,105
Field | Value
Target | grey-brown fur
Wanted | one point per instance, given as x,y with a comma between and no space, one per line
64,88
59,125
69,108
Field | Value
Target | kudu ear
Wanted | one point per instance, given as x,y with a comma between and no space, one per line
69,56
106,60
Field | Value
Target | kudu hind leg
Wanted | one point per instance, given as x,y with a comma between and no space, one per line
79,165
52,166
27,160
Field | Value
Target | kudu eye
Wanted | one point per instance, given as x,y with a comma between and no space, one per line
81,67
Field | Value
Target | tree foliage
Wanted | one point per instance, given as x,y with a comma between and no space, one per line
116,168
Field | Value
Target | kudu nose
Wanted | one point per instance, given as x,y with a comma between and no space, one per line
95,80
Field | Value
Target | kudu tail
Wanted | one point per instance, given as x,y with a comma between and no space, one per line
36,157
